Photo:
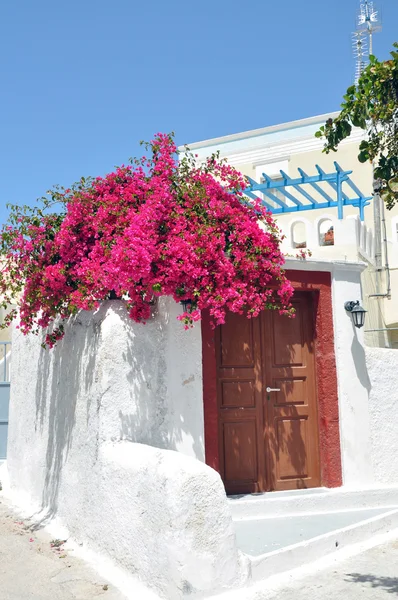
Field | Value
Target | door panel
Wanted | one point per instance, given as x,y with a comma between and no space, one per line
268,441
291,434
293,390
287,336
240,446
237,344
240,404
238,394
291,425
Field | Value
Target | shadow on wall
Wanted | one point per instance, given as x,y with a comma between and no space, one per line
358,353
66,372
357,349
161,417
107,380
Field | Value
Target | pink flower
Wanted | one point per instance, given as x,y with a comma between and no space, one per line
162,227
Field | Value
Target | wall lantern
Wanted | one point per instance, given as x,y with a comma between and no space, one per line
357,313
186,305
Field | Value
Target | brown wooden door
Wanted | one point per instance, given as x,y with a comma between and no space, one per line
268,440
240,404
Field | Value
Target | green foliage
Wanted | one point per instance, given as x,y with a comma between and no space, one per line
372,105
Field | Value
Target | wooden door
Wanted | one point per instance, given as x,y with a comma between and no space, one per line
240,404
268,439
291,423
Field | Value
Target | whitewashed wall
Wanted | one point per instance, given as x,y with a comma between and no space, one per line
383,407
352,377
146,380
79,417
84,416
352,239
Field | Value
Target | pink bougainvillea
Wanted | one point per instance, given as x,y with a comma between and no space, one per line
161,226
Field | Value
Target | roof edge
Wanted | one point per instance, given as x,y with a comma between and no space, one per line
264,130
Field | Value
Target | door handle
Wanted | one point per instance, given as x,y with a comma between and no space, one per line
268,390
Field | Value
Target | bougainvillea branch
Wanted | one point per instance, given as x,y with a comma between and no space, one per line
161,226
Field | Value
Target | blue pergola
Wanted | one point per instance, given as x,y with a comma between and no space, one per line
338,191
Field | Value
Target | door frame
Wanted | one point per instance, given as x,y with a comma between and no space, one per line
319,284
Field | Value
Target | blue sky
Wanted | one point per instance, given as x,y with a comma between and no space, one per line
83,81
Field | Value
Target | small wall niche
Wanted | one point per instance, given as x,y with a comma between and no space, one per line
326,232
299,235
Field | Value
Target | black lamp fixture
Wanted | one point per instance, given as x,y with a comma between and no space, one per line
186,305
357,313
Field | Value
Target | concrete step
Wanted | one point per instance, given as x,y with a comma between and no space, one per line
319,500
268,563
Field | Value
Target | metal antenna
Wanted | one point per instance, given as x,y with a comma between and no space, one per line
368,24
360,53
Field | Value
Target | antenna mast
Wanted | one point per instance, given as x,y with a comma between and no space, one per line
368,24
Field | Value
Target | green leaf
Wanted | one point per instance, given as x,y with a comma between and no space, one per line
363,157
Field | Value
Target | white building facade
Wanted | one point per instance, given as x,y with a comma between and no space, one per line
130,434
293,148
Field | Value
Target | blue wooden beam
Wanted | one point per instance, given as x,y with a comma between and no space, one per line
356,189
293,209
290,196
317,187
339,183
362,211
340,193
306,195
363,200
267,178
254,197
252,182
271,183
286,193
333,183
275,199
335,180
338,168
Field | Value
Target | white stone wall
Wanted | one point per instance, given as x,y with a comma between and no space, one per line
383,407
352,239
80,415
92,423
352,377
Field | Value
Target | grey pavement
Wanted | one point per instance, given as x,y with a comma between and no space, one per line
372,575
31,569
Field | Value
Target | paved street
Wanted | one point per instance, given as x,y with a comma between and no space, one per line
31,568
372,575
